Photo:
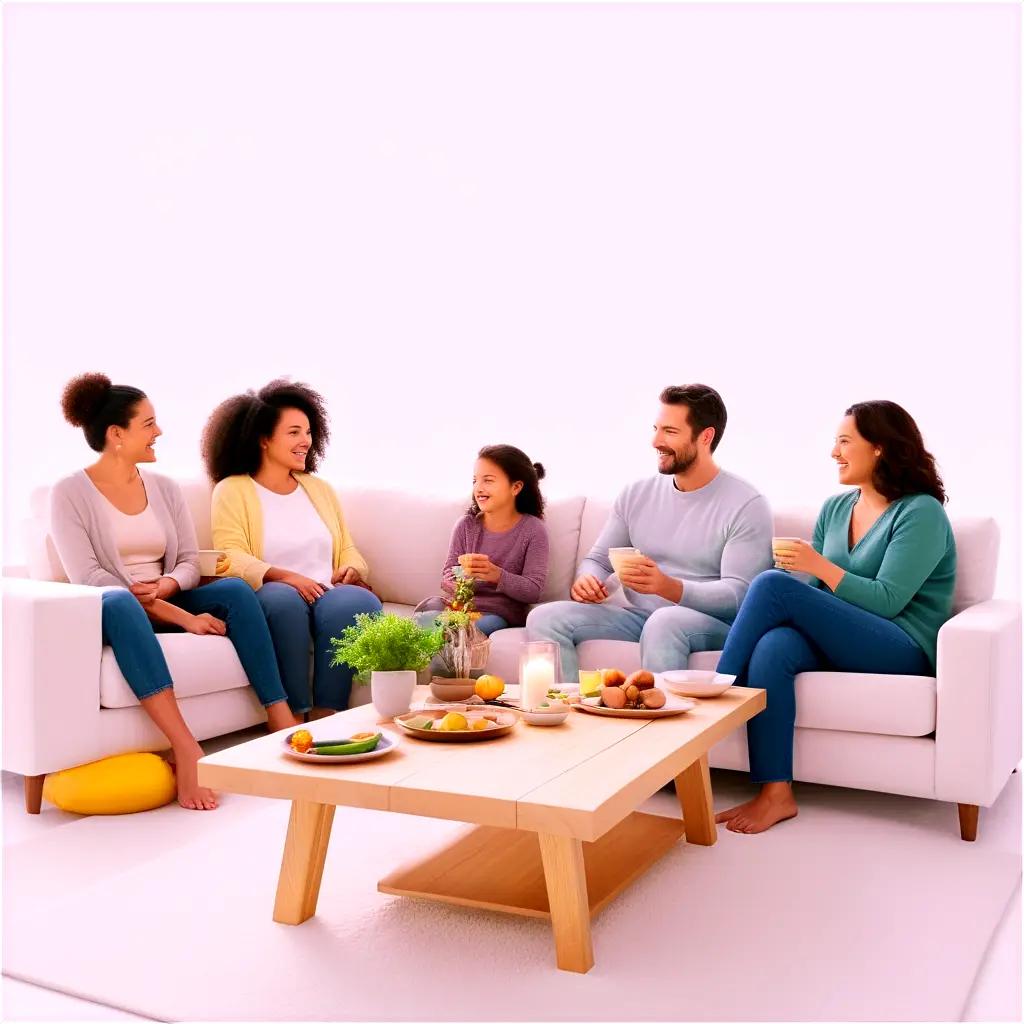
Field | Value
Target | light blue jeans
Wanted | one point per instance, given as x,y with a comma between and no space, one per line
487,624
667,636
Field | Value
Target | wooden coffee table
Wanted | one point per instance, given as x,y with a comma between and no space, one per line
557,831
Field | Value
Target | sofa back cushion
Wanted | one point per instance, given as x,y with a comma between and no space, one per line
404,537
977,545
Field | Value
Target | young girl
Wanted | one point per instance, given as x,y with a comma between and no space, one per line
501,542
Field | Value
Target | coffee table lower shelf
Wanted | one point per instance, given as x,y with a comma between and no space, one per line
503,869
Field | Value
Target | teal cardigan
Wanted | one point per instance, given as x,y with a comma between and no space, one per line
903,568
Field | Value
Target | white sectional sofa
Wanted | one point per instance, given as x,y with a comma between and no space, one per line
955,737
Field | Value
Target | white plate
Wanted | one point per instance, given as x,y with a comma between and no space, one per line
387,743
673,706
545,716
692,683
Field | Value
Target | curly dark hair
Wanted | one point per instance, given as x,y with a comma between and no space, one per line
516,465
905,465
232,435
706,408
91,402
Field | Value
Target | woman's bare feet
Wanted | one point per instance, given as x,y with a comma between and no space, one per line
279,716
190,793
773,804
317,713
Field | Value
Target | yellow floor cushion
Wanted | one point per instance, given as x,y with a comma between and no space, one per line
116,785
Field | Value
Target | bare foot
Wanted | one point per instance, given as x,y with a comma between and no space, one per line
190,793
723,816
317,713
279,716
774,804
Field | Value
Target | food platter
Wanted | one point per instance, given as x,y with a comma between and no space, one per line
673,706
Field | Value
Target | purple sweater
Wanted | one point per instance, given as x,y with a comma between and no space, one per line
522,555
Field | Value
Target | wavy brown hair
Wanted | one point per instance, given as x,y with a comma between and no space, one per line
905,465
232,435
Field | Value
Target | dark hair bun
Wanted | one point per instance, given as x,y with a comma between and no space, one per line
539,469
84,396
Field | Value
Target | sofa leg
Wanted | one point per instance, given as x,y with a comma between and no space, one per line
34,793
968,822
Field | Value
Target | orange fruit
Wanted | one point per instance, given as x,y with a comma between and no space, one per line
489,687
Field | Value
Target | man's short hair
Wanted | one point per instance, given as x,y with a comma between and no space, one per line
705,404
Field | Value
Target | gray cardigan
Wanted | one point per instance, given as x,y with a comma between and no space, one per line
80,526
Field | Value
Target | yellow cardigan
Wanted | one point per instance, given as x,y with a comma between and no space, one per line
237,520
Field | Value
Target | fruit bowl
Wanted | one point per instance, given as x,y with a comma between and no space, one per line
414,723
692,683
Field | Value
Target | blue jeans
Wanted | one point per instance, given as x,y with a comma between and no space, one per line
667,636
785,627
128,630
292,622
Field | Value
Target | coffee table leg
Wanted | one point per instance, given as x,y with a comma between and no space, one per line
693,788
302,867
566,881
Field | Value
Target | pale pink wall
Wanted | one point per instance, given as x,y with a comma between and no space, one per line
472,224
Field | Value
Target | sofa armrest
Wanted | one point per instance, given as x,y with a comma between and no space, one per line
978,703
52,644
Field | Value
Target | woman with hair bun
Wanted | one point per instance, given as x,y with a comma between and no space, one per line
284,533
882,566
115,526
501,541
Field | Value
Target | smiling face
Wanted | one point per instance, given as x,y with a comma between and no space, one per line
289,444
674,442
138,438
492,489
855,456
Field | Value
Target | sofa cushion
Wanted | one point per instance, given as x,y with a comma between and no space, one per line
893,705
404,537
198,664
977,545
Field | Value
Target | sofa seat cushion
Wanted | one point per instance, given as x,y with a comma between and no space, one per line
891,705
198,665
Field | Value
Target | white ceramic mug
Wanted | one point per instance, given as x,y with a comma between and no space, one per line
208,561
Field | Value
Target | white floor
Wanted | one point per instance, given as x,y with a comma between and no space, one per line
996,995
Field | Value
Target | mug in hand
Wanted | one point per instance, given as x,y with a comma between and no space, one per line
621,557
466,561
782,544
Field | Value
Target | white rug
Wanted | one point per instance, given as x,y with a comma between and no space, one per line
839,915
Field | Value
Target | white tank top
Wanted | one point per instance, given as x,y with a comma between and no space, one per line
294,536
140,542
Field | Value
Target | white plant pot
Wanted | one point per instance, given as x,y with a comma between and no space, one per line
391,692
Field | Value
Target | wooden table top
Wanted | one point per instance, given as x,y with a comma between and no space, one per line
579,779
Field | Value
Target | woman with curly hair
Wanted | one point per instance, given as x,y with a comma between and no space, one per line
115,526
501,541
882,566
284,533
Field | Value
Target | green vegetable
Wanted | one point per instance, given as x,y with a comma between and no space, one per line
359,747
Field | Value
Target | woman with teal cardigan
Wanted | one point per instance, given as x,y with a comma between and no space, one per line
882,566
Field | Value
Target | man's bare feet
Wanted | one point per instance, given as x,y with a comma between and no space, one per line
279,716
773,804
190,793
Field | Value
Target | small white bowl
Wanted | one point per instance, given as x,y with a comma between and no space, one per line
546,716
694,683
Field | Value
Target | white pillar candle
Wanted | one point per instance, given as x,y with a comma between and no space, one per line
538,678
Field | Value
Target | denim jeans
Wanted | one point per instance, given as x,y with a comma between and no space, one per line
292,622
785,627
668,636
132,636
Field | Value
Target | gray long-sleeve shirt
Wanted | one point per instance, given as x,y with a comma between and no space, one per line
84,538
716,539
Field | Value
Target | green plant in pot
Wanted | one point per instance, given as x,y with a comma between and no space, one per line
387,651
